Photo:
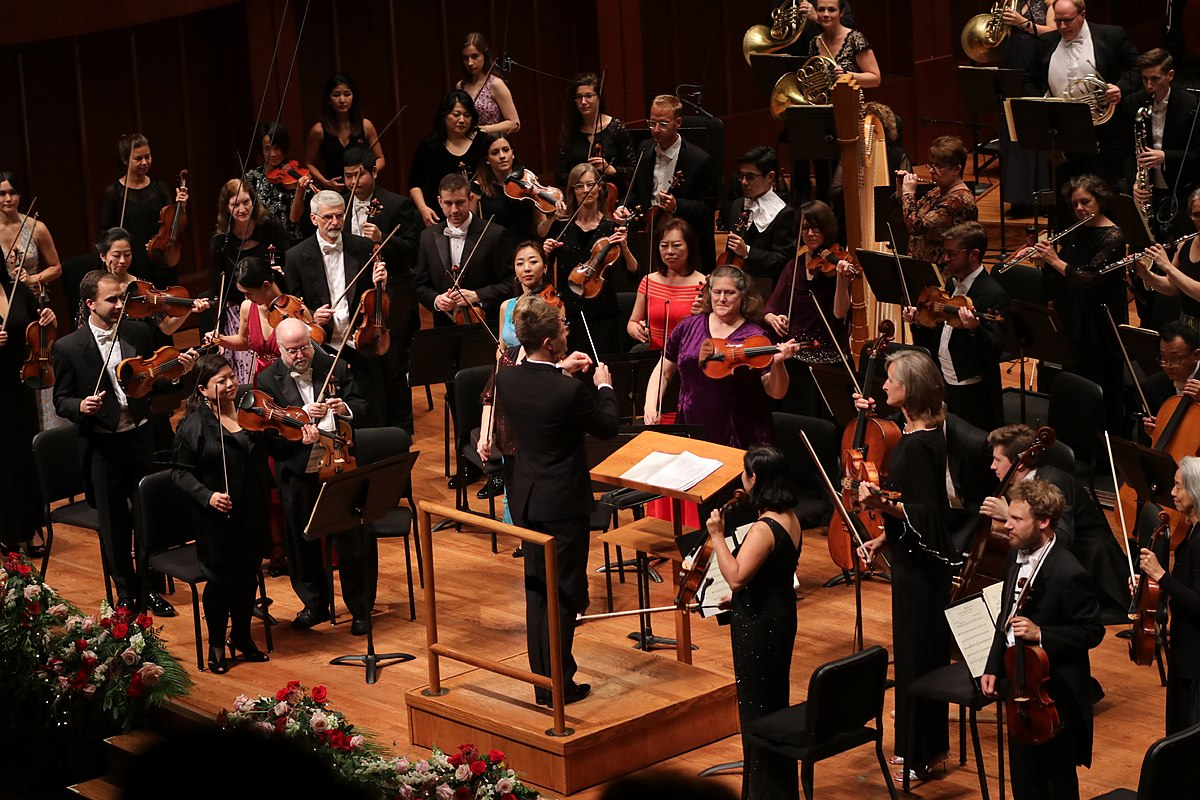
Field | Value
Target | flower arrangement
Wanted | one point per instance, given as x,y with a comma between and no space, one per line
308,716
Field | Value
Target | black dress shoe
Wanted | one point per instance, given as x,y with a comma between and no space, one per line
469,474
217,664
572,694
159,605
493,488
249,650
359,626
308,618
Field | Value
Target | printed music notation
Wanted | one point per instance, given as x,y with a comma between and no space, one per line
973,623
673,471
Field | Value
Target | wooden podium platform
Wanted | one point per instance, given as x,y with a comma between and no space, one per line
642,709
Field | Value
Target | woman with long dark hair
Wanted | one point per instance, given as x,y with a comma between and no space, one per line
342,124
493,99
589,135
451,146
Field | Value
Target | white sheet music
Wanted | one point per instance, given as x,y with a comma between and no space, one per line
973,623
715,588
677,472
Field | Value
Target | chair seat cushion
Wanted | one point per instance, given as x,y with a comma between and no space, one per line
181,563
397,522
785,732
950,684
79,514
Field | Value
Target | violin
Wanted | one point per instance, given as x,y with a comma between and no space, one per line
137,375
728,258
38,370
288,306
936,305
143,300
1146,604
657,214
373,336
258,412
1032,715
550,295
719,358
164,248
587,279
826,259
607,189
527,187
695,567
287,174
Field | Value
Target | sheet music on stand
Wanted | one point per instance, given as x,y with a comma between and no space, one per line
715,587
973,622
677,471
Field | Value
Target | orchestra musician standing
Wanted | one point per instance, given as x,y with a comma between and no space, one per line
672,290
588,134
295,380
549,490
920,553
116,444
1182,587
969,353
1061,615
770,240
663,155
1181,273
284,204
342,125
941,208
34,251
491,95
453,146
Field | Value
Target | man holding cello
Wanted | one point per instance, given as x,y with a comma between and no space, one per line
1050,611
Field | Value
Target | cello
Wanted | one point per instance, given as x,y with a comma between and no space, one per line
985,558
866,448
1145,639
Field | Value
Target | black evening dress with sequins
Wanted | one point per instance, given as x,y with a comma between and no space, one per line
762,629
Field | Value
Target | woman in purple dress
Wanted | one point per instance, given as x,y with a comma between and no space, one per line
733,410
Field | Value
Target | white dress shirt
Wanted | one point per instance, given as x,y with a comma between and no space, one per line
960,290
665,162
1158,123
335,276
111,349
764,209
458,242
358,215
1071,60
1027,564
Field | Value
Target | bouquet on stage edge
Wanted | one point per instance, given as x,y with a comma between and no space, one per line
307,716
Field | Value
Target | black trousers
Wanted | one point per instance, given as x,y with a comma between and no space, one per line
571,550
114,463
1044,771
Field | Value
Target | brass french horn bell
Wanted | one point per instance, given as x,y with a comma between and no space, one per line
783,31
787,93
985,36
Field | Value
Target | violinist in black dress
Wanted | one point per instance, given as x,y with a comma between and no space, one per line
921,554
762,620
223,468
1182,589
1060,613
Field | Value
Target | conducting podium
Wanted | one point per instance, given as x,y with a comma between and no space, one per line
658,463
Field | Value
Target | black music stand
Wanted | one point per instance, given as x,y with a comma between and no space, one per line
835,387
1150,472
365,494
630,374
885,280
984,90
1054,126
437,354
768,68
1142,345
1035,331
812,135
1123,210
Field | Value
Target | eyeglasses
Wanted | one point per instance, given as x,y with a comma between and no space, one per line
295,351
591,96
935,167
749,176
1063,22
654,124
1173,362
589,185
331,217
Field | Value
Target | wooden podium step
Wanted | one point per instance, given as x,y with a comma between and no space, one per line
96,789
642,709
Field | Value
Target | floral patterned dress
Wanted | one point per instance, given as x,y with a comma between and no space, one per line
932,215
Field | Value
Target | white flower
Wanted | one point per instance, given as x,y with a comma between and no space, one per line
319,722
137,642
444,792
129,657
463,772
239,702
281,709
504,786
11,597
292,726
32,591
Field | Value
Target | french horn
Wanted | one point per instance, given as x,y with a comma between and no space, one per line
811,85
1091,90
784,30
985,36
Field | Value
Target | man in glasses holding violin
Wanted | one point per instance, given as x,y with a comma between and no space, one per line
767,240
966,346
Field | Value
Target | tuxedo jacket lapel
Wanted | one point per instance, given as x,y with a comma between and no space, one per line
443,249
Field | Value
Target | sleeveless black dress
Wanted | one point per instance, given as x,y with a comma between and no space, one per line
762,629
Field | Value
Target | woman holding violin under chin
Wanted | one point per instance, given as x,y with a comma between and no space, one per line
116,253
727,394
598,245
919,550
1182,588
520,218
280,185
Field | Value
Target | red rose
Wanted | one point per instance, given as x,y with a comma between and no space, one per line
80,645
509,796
462,793
280,724
496,756
89,661
144,621
24,569
106,622
478,767
319,694
136,687
122,613
281,695
120,630
293,685
455,760
80,680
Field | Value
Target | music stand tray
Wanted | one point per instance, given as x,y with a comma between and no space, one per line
1142,344
1052,125
768,68
364,494
1150,472
811,132
880,271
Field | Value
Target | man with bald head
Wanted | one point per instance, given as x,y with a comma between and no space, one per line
296,379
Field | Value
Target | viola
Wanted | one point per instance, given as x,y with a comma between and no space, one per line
287,174
138,374
258,412
1032,715
873,439
728,258
858,471
38,370
719,358
526,187
143,300
985,560
587,279
288,306
1145,606
935,306
164,248
691,575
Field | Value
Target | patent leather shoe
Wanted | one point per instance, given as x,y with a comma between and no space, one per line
359,626
217,664
159,606
467,475
493,488
249,650
308,618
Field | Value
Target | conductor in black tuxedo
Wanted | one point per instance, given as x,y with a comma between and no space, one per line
969,355
659,158
295,379
318,270
1061,614
550,491
376,214
770,240
1080,48
116,444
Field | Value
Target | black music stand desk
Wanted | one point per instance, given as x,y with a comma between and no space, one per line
437,354
1150,472
1035,331
885,279
365,494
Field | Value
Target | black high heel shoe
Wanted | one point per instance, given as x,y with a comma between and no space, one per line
217,664
250,652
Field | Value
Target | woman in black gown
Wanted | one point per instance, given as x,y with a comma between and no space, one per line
920,552
223,468
762,620
453,146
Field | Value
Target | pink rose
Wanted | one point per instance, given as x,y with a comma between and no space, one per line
356,741
319,722
150,673
444,792
129,656
32,591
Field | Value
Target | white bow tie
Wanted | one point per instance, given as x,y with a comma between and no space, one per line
1024,557
330,249
455,233
306,374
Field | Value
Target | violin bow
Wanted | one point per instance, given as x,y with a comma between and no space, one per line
1120,507
795,274
833,338
1112,323
1016,606
20,266
216,407
662,353
899,268
457,279
108,355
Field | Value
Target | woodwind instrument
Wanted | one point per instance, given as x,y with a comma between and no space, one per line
1024,252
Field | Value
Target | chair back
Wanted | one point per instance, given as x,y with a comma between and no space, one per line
1076,413
376,444
625,301
56,461
159,506
469,384
1166,769
1060,456
823,435
846,694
